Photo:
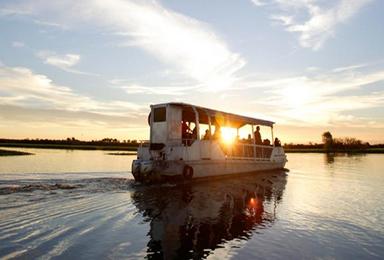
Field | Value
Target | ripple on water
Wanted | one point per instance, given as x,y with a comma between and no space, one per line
312,213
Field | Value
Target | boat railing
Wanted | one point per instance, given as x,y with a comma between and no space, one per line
237,150
144,143
188,141
248,151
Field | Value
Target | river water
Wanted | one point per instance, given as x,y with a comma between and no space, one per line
84,204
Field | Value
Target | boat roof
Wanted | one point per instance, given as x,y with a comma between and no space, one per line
217,117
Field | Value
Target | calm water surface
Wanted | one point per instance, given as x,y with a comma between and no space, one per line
84,204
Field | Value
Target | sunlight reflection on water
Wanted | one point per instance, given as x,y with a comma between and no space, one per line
326,207
48,163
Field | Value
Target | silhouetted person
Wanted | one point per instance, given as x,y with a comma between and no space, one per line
207,135
185,130
258,136
194,133
277,142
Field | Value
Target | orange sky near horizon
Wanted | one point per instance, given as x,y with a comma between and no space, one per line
287,134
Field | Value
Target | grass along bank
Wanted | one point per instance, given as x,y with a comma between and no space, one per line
71,146
321,150
12,153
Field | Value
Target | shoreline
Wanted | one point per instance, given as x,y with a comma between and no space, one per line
134,149
351,151
12,153
70,146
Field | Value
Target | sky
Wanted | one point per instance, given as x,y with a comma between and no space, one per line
90,69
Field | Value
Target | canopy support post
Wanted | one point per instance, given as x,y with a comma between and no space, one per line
209,125
197,123
254,142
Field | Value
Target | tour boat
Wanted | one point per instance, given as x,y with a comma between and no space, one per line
175,151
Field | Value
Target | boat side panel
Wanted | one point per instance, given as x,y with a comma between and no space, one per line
208,168
143,153
217,168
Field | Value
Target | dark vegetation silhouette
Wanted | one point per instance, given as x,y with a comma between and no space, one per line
329,144
332,145
327,141
73,143
343,144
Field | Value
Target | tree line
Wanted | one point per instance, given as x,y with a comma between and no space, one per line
331,144
74,141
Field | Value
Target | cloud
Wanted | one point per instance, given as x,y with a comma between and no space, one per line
258,2
174,88
350,67
17,44
322,18
321,99
184,43
62,61
22,87
29,122
37,107
60,118
284,19
50,24
158,90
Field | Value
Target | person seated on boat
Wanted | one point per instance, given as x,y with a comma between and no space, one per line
194,133
277,142
248,150
257,136
266,142
207,135
249,139
185,130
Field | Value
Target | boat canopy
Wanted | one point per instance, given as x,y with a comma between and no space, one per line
208,115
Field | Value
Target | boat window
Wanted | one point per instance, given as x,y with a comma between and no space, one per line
160,114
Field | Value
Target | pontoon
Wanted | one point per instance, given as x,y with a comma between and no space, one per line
175,151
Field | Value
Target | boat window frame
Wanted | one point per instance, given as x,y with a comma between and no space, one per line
160,114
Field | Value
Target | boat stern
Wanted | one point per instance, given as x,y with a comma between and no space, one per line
278,156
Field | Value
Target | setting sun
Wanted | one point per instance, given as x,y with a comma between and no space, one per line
228,134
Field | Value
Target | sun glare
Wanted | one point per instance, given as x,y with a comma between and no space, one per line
228,135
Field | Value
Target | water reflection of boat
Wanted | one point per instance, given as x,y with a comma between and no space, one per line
191,221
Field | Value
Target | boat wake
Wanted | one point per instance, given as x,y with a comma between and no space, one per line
89,184
118,218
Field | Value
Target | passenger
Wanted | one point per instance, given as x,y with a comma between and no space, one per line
258,136
207,135
277,142
194,133
266,142
185,129
249,149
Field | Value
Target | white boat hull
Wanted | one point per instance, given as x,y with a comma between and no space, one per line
176,150
218,168
149,171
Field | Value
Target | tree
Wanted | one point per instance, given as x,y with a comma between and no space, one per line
327,141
